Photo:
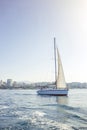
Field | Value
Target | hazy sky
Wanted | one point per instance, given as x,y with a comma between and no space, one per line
27,28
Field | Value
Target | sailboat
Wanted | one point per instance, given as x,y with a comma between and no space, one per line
60,84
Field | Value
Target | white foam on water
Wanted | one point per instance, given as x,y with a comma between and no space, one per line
38,113
39,119
4,107
49,124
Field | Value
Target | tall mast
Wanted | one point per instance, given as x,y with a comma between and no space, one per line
55,61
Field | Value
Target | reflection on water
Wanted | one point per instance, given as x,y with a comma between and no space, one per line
63,100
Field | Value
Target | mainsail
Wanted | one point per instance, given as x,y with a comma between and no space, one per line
61,84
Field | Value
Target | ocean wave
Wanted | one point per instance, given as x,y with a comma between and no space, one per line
40,120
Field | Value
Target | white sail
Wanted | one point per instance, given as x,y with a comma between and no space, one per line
61,84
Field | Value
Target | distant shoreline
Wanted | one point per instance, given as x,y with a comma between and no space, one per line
32,88
39,85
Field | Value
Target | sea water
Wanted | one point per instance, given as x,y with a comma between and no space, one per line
25,110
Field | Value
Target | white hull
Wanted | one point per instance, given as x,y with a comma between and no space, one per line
54,92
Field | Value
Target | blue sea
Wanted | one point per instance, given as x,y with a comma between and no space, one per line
25,110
